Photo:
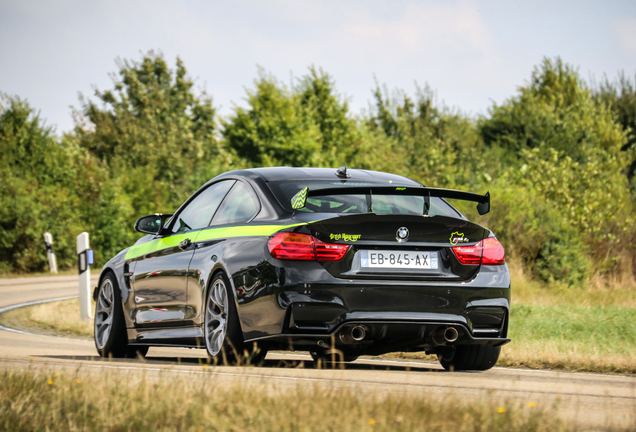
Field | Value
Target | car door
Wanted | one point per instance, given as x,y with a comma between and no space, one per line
239,207
160,278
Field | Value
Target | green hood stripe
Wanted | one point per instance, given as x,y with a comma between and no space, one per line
203,235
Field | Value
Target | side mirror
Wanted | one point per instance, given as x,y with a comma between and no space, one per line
151,224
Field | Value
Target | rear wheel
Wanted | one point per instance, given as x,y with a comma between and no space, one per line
223,338
469,357
110,335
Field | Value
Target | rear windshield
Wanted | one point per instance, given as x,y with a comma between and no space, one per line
379,204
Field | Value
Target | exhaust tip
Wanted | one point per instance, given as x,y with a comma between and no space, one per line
358,333
444,335
353,334
451,334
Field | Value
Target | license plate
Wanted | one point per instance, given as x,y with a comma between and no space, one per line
398,259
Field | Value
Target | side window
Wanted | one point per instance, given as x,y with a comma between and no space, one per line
239,206
199,212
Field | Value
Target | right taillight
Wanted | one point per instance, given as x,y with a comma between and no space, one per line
293,246
487,252
493,252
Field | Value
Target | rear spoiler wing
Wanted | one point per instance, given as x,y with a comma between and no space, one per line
299,200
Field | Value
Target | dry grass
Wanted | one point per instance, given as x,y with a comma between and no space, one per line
599,292
66,272
539,355
78,401
54,318
553,357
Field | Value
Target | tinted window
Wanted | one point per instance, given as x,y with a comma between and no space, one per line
380,204
198,213
239,206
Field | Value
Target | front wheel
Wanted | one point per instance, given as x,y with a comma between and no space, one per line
469,357
223,336
110,335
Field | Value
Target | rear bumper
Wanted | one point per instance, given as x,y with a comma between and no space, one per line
305,307
380,336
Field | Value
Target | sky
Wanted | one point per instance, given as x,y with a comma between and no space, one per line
472,53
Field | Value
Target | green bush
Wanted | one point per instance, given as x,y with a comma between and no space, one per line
554,156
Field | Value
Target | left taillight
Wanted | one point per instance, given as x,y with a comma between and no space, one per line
489,251
293,246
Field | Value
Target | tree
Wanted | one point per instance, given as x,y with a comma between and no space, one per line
417,138
307,125
563,147
620,96
339,138
36,191
152,125
150,143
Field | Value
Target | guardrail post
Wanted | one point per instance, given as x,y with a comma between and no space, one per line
48,244
84,260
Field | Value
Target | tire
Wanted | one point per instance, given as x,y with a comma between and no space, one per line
111,339
222,331
469,357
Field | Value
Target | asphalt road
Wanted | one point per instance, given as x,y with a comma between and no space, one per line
593,401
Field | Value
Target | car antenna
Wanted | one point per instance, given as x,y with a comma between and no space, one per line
342,172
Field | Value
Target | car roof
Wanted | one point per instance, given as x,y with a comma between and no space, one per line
290,173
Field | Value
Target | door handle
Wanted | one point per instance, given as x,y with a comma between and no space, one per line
185,244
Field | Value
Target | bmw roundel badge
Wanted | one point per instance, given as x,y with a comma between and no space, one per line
402,234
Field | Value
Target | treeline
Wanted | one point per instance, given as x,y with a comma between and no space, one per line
558,157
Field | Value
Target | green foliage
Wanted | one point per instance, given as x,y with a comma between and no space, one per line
554,156
307,125
35,191
533,229
153,120
419,140
620,97
567,152
151,142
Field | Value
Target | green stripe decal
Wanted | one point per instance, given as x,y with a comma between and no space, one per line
203,235
298,201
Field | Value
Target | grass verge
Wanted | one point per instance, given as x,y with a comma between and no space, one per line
597,339
83,402
59,318
573,338
65,272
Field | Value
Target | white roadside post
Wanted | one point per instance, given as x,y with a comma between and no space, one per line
84,260
48,243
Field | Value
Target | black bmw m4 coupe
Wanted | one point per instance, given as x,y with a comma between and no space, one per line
337,262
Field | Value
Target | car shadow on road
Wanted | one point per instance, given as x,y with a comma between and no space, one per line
361,364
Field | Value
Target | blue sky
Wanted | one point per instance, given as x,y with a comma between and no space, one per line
472,53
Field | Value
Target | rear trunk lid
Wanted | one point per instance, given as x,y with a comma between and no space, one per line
399,247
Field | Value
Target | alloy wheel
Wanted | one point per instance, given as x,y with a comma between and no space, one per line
216,317
104,313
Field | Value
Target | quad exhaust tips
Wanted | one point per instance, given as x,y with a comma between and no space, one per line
353,334
442,335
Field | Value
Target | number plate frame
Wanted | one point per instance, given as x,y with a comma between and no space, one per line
399,259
